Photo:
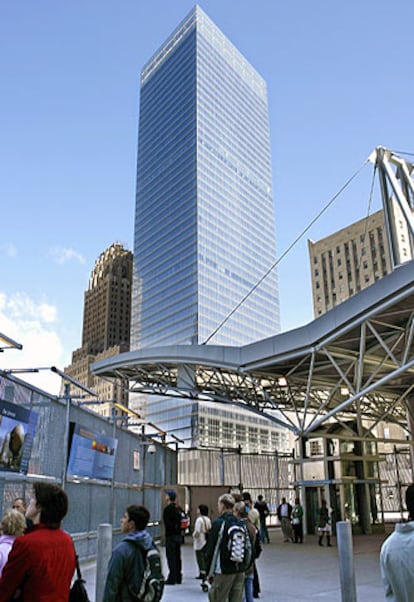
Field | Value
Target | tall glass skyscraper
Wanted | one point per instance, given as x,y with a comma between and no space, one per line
204,223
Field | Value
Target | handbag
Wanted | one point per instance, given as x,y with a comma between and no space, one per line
78,591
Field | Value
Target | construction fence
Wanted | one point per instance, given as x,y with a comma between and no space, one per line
268,474
139,476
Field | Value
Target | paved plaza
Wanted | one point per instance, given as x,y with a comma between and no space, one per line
288,572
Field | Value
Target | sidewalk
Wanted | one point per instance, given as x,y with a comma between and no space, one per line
288,572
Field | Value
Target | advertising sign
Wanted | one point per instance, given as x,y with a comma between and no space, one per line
91,454
17,430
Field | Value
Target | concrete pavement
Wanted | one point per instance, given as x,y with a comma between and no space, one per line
288,572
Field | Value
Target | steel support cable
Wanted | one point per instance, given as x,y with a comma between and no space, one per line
371,194
286,252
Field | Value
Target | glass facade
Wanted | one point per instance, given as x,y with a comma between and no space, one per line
204,223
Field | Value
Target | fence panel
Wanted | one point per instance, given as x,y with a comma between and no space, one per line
139,476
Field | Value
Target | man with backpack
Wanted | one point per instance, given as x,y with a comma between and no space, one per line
134,570
228,555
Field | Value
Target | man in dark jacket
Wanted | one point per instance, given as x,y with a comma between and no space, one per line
227,584
173,538
126,567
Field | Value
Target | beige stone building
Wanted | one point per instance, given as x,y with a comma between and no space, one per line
106,325
351,259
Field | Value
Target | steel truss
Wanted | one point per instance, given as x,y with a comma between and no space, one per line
361,369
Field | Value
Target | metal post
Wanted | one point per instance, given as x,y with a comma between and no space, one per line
66,396
239,450
221,466
104,550
112,499
346,561
397,469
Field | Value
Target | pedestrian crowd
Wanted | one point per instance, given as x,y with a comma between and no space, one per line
38,558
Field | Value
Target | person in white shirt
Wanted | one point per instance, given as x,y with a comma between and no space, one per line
284,513
201,528
396,559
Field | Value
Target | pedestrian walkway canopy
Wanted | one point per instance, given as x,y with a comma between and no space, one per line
355,363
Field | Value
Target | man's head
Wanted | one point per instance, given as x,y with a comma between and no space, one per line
135,518
19,504
203,509
283,500
246,496
170,495
49,505
240,509
225,503
260,498
409,500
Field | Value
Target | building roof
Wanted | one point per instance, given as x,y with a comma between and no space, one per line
355,360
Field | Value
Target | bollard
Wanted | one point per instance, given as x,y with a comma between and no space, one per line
346,561
103,554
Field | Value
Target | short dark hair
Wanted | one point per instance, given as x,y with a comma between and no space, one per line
246,496
53,503
139,515
409,500
171,494
203,509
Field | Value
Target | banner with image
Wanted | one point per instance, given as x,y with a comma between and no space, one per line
92,454
17,431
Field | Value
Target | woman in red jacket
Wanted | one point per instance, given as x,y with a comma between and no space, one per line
41,563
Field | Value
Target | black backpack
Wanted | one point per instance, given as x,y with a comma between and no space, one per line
152,583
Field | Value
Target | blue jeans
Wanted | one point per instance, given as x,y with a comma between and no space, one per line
248,587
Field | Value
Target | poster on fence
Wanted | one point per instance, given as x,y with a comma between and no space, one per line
91,454
17,431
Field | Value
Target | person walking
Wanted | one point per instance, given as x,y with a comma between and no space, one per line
297,521
241,511
396,557
263,510
12,525
226,578
254,517
284,513
324,526
127,563
42,562
202,527
173,538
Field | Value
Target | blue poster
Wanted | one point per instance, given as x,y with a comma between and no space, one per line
92,454
17,431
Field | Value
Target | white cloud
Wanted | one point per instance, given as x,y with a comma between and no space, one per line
20,306
30,323
62,255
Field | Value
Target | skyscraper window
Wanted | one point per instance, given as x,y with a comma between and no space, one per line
204,221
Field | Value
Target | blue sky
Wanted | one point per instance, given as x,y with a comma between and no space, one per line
339,78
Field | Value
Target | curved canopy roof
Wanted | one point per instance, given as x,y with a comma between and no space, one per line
356,361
